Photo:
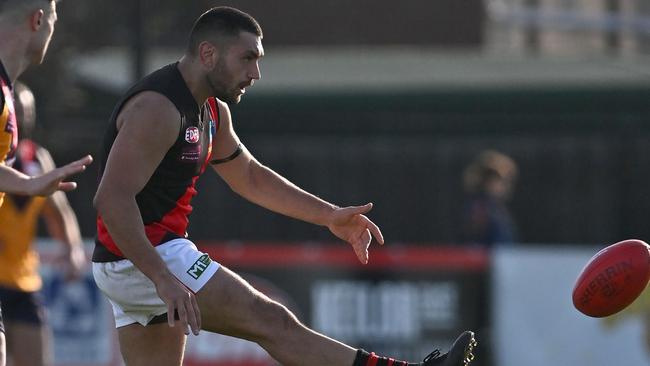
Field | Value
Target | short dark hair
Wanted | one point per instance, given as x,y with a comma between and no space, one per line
8,5
221,21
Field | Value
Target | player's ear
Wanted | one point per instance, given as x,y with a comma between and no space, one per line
36,19
208,54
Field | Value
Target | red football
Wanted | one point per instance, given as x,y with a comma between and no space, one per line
613,278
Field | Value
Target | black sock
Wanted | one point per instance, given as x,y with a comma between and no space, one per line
370,359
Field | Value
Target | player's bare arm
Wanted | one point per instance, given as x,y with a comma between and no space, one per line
62,225
147,127
261,185
15,182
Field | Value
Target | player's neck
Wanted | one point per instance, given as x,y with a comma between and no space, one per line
195,79
12,55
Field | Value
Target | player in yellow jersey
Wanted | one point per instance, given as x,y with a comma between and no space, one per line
28,336
26,28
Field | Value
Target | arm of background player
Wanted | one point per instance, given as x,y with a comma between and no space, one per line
148,125
13,181
62,225
261,185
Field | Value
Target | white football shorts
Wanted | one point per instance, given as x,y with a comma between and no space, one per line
133,295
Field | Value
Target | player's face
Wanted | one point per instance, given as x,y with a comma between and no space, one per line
43,35
237,67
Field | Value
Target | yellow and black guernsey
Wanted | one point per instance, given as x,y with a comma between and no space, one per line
18,223
8,126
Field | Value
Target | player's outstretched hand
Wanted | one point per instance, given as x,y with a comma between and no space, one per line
52,181
180,299
351,225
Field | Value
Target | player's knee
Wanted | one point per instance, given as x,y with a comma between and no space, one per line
287,319
275,318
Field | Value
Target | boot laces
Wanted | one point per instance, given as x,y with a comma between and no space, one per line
432,356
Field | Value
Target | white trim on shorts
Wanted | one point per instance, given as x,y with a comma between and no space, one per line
133,295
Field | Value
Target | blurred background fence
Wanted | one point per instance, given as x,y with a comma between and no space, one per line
388,102
374,101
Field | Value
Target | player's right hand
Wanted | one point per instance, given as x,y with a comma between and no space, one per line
351,225
179,298
52,181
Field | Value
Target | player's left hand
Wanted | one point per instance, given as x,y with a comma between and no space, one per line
73,263
52,181
351,225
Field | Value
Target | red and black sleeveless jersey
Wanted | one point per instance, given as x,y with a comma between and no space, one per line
164,202
8,123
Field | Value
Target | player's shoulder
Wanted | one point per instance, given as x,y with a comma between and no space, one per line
148,108
150,101
150,118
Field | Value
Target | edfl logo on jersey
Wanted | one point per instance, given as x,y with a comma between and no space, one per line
192,135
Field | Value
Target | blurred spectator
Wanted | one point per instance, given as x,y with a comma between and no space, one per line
28,341
488,183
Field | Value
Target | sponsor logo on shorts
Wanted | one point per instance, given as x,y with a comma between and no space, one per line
192,135
199,266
